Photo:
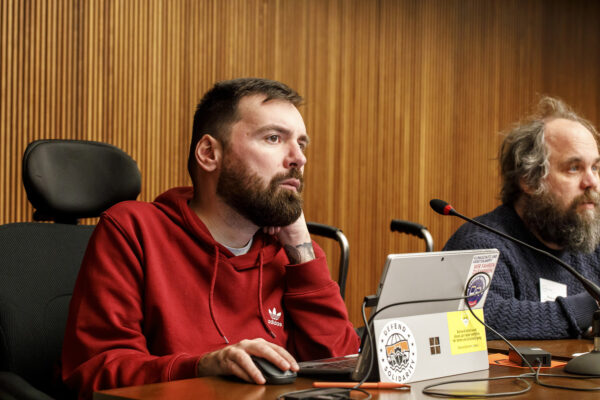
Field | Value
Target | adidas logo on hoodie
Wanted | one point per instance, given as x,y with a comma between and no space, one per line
274,317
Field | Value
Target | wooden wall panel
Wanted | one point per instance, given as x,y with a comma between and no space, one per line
404,98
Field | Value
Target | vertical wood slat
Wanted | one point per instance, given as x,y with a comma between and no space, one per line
404,98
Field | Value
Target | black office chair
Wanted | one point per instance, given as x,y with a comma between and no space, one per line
65,180
336,234
412,228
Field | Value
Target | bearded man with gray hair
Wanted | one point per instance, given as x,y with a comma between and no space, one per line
549,167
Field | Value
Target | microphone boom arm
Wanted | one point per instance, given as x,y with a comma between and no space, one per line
441,207
587,364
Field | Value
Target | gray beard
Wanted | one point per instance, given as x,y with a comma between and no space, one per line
569,229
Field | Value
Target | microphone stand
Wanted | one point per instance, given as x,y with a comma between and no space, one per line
586,364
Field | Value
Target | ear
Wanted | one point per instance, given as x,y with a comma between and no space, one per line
209,153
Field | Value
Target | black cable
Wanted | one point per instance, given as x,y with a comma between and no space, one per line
465,297
534,373
344,392
402,303
505,340
341,394
426,390
592,389
371,341
371,338
537,372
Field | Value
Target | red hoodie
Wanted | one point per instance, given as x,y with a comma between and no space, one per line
155,292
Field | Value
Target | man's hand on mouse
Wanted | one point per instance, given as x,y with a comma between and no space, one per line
235,360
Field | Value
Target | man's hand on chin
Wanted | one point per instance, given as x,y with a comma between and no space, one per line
295,240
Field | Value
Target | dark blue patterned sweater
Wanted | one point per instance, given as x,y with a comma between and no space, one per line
513,304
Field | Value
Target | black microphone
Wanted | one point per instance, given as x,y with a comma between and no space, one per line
441,207
587,364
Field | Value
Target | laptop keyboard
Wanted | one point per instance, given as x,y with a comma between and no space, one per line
333,364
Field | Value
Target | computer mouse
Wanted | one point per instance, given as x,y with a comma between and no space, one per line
273,375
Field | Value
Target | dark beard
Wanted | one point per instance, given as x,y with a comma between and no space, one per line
569,229
244,192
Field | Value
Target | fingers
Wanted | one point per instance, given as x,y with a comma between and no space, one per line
271,230
295,233
230,360
277,355
253,375
283,354
243,367
235,360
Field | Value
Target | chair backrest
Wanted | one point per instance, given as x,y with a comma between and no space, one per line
412,228
334,233
39,262
70,179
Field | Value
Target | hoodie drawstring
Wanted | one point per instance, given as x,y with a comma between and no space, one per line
210,295
260,303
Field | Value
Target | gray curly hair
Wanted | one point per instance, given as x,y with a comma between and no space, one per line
524,156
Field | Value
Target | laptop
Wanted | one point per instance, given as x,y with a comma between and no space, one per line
421,340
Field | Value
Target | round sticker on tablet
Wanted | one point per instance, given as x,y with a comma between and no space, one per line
397,351
476,289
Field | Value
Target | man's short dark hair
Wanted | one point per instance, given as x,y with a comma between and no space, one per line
524,155
217,110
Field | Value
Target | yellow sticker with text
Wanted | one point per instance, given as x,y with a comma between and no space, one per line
467,335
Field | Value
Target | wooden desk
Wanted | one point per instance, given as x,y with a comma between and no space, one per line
221,388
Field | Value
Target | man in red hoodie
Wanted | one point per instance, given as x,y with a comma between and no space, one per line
195,282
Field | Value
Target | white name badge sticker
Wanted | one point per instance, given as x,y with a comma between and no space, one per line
550,290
